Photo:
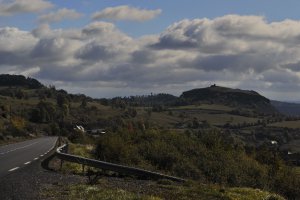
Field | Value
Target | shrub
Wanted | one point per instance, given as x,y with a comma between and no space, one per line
204,156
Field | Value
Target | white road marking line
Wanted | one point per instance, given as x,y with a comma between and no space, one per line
27,163
13,169
53,145
18,148
41,155
35,158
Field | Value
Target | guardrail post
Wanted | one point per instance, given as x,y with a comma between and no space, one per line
61,163
67,148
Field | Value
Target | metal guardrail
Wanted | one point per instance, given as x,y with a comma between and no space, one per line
61,153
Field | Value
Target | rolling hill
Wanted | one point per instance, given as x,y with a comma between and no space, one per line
292,109
230,97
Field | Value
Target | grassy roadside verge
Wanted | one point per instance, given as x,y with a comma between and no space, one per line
127,188
155,191
79,150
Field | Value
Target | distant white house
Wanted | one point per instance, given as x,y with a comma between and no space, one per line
274,142
79,128
97,131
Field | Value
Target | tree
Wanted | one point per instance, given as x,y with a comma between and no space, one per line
196,123
83,103
66,110
43,112
20,94
61,99
54,129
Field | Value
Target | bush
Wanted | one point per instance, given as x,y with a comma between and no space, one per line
204,156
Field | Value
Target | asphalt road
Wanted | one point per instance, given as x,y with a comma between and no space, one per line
18,155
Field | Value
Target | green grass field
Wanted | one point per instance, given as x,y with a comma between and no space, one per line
287,124
79,150
222,118
216,107
298,171
293,146
213,114
163,119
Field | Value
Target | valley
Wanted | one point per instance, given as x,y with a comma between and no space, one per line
225,140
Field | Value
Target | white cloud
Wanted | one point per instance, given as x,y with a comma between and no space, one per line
59,15
235,51
14,40
228,34
104,31
15,46
233,42
54,49
14,7
126,13
44,31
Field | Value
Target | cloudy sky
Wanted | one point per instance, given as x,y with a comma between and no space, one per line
129,47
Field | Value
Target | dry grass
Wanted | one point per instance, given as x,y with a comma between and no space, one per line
216,107
157,192
79,150
287,124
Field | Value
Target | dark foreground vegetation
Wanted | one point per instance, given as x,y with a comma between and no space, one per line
204,155
220,136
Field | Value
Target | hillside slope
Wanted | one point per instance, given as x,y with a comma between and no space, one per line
287,108
19,80
230,97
